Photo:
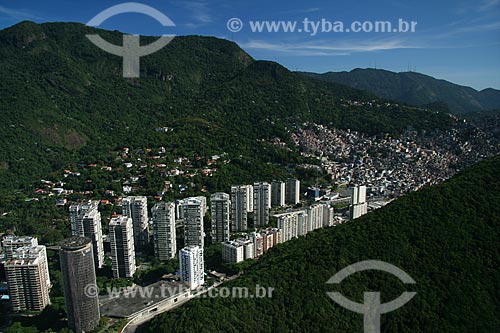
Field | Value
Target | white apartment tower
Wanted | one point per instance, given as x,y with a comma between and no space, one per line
121,237
292,224
11,243
249,191
278,192
261,203
239,207
258,244
359,206
314,217
233,252
194,210
164,230
328,217
248,248
204,206
85,220
220,207
192,268
28,278
179,214
292,196
137,209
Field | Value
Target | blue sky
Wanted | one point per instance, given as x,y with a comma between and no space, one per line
456,40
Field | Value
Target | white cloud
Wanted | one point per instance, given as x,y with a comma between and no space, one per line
328,48
481,27
17,14
200,13
488,5
302,11
461,27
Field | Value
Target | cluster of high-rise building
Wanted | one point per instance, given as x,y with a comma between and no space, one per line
81,255
291,224
251,246
299,222
258,199
127,232
28,279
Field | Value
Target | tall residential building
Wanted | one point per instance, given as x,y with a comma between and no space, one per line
248,248
192,268
194,211
292,224
121,238
278,235
239,207
249,191
164,230
179,212
85,220
314,217
278,194
28,278
269,238
137,209
358,194
204,206
292,189
261,203
258,244
328,215
359,206
78,272
233,251
220,207
10,243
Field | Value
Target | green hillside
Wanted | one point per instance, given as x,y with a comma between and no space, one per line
445,237
416,89
63,100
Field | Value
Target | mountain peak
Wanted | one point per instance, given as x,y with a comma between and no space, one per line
23,34
415,89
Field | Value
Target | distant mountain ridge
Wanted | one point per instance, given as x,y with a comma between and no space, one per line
416,89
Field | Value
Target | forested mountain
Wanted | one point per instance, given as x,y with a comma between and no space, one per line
416,89
445,237
63,100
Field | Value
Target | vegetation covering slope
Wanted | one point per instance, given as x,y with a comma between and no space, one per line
445,237
416,89
63,100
